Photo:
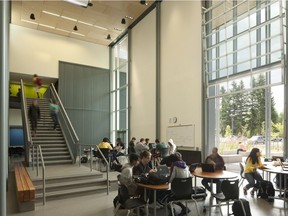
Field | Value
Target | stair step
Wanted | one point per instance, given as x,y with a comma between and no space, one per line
55,157
54,162
71,193
49,141
49,153
70,185
53,149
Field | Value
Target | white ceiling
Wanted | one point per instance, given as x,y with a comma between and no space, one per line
101,19
105,14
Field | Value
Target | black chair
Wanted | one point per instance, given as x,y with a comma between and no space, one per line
230,191
98,155
125,201
182,190
242,176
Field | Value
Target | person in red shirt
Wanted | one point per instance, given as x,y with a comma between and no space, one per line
37,83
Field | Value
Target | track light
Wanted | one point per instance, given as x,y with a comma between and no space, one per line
32,16
123,21
90,4
108,37
143,2
75,28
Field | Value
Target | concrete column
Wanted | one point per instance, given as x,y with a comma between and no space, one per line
4,98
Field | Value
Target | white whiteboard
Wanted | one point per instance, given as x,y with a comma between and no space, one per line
182,135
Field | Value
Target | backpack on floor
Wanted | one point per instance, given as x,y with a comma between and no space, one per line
266,190
237,208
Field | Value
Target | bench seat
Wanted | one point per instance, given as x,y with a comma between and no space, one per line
24,188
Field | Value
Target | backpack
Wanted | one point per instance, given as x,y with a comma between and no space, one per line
152,179
277,180
84,159
266,190
237,208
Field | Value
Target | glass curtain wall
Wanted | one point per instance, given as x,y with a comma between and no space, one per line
119,91
244,74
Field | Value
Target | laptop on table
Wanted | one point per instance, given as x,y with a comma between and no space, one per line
207,167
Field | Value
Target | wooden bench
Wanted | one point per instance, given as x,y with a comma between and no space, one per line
24,188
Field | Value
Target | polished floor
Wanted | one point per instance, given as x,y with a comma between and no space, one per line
102,204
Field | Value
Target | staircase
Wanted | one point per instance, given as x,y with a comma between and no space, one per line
53,144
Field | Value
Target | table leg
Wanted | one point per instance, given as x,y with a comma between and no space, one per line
211,197
154,204
145,198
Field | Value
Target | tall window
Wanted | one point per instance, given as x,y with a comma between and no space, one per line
244,70
119,91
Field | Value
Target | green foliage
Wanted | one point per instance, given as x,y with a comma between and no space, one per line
244,112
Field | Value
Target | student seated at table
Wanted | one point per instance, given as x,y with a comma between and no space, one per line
168,160
219,164
105,144
126,176
253,162
179,169
143,166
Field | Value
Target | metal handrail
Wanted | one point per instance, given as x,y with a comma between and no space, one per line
25,121
91,157
54,93
39,150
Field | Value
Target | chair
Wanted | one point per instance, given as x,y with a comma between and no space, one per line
230,191
241,174
125,201
97,155
182,190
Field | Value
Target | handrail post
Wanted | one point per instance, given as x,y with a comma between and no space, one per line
91,158
79,151
33,152
44,185
37,158
107,170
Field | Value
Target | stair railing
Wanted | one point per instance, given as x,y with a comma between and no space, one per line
28,140
68,125
91,160
39,153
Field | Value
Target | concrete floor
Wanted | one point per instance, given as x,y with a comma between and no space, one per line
102,204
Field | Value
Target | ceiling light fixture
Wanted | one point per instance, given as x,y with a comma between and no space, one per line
50,13
90,4
28,21
32,16
83,3
117,29
75,28
143,2
68,18
129,17
47,26
75,33
123,21
108,37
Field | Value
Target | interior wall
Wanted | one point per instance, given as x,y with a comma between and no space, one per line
143,79
181,65
37,52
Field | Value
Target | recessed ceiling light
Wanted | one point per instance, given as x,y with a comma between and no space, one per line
28,21
69,18
47,26
117,29
62,30
129,17
96,26
83,3
50,13
76,33
85,23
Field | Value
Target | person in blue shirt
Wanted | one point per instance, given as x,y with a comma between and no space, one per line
54,109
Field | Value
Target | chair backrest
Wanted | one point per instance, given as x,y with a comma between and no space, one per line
182,187
230,189
241,169
123,194
105,152
164,152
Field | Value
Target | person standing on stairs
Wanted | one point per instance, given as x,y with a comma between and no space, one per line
54,109
34,115
37,83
